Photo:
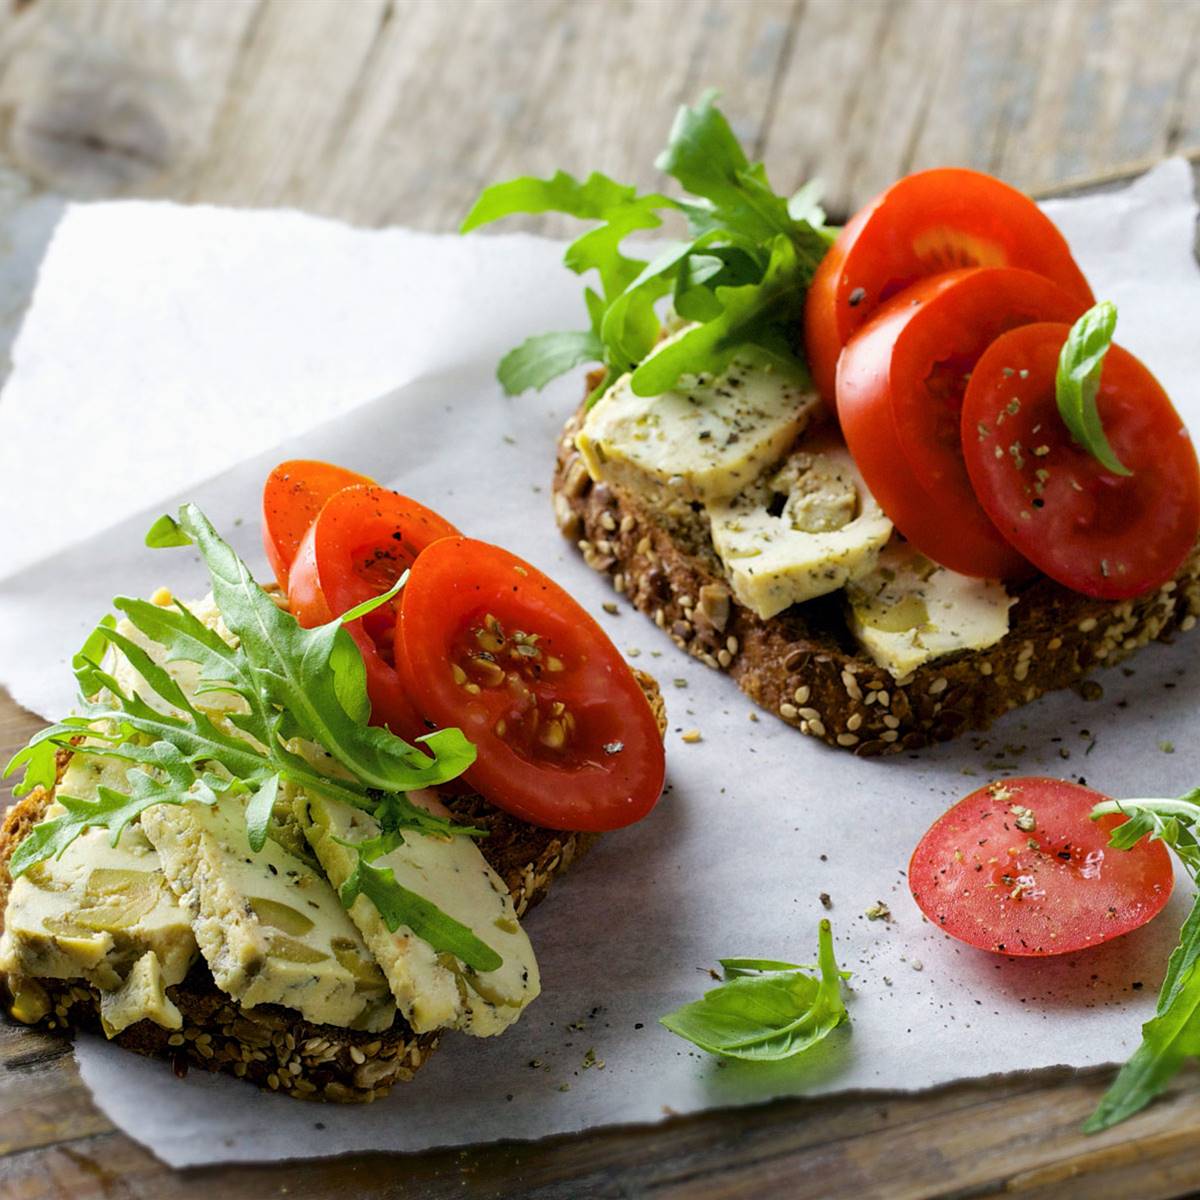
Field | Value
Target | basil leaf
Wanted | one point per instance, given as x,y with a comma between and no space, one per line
766,1012
538,360
1078,381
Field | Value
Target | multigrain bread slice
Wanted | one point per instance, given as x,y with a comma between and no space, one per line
274,1047
804,664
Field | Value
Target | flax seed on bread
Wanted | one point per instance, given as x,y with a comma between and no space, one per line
805,666
272,1046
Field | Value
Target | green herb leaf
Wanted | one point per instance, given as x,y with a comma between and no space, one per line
538,360
732,272
259,810
1172,1035
291,683
165,532
1080,364
767,1011
174,782
399,906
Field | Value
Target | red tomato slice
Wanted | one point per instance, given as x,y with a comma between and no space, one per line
1106,535
925,224
565,736
900,387
292,497
1051,889
363,539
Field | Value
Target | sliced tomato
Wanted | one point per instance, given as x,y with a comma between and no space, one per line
292,497
1019,867
565,736
900,387
1106,535
363,539
927,223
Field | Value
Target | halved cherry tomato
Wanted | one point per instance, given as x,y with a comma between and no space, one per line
363,539
925,224
1019,868
566,739
900,386
292,497
1106,535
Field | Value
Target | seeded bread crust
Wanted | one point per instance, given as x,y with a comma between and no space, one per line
804,666
274,1047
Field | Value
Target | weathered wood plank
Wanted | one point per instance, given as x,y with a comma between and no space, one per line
398,111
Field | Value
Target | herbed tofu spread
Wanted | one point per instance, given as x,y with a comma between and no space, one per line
182,883
790,515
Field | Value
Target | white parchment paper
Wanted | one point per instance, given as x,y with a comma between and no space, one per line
179,353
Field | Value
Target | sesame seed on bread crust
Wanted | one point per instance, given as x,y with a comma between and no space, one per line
272,1046
805,666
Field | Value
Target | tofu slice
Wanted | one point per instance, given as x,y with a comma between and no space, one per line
432,990
800,532
270,927
705,440
96,911
909,611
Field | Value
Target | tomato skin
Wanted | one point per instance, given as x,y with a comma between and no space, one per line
610,771
363,539
925,224
1102,534
900,383
292,497
976,876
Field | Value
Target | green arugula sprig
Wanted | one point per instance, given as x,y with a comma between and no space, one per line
1172,1035
740,277
766,1011
1077,382
295,683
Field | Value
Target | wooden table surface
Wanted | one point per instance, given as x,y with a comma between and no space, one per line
397,111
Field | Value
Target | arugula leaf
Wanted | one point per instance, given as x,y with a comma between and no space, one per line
287,665
539,359
292,683
165,532
1172,1035
174,783
399,906
1080,363
766,1011
756,315
732,273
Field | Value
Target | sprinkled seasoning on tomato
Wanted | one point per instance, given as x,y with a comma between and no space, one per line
926,224
900,386
362,541
1019,868
292,497
489,644
1092,529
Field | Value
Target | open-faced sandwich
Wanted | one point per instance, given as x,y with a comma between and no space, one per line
895,479
290,834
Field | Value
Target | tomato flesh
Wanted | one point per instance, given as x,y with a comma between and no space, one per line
363,539
900,388
926,224
1019,868
1100,533
292,497
565,736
